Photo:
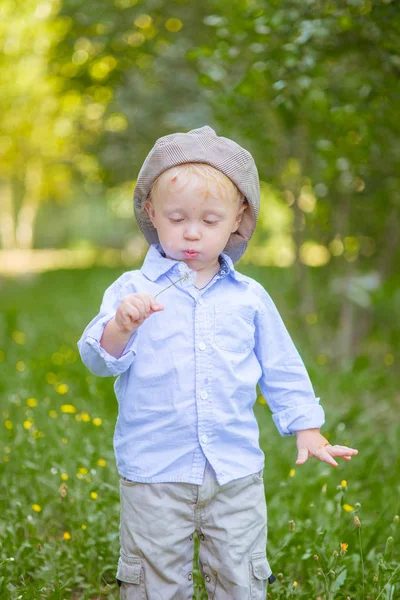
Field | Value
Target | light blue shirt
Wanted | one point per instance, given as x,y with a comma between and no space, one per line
187,378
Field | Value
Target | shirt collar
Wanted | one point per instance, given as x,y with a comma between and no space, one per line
156,264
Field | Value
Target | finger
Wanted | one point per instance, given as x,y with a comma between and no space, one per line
324,455
151,304
156,306
141,307
341,451
131,313
302,456
349,450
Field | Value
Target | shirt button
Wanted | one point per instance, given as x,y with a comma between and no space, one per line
204,439
202,346
204,395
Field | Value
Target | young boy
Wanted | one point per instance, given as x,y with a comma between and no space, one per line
186,439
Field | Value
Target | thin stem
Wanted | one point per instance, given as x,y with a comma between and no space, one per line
327,586
362,562
173,283
382,590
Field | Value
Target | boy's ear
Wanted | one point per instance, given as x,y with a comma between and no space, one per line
239,216
148,207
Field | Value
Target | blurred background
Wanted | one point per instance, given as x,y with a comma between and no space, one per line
312,89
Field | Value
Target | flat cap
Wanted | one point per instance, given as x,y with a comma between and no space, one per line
202,145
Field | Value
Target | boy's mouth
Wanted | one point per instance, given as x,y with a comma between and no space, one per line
190,253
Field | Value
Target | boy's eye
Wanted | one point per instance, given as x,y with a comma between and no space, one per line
210,222
176,220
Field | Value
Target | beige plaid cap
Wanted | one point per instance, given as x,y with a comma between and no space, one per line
202,146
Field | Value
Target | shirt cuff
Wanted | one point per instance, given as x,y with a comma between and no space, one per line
305,416
115,366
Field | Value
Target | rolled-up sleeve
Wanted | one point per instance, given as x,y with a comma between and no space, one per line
96,358
284,382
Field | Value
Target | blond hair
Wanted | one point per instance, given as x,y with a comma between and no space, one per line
205,172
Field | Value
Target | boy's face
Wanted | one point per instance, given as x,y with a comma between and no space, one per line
193,217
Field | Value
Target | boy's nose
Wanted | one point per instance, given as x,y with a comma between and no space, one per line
191,233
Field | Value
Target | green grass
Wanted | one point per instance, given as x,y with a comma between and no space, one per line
41,318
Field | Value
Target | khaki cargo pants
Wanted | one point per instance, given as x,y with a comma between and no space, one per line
158,521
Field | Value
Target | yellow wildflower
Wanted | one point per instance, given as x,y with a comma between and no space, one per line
53,414
67,535
83,526
62,389
97,421
68,409
8,424
292,473
64,476
101,462
20,366
85,417
36,507
83,470
32,402
28,423
348,508
343,483
94,495
18,337
344,546
295,584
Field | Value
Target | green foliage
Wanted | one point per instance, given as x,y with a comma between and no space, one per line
58,421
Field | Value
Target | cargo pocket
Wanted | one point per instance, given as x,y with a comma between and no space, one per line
260,573
130,571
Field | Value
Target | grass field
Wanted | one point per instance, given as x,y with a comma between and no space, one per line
333,533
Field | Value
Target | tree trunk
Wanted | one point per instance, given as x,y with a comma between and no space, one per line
344,338
7,220
30,204
388,255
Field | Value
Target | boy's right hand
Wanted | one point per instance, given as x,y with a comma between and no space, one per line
133,310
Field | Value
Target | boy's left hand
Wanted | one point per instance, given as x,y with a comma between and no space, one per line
310,443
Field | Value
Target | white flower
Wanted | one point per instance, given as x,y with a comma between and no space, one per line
188,278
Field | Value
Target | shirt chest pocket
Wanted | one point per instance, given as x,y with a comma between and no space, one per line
234,328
